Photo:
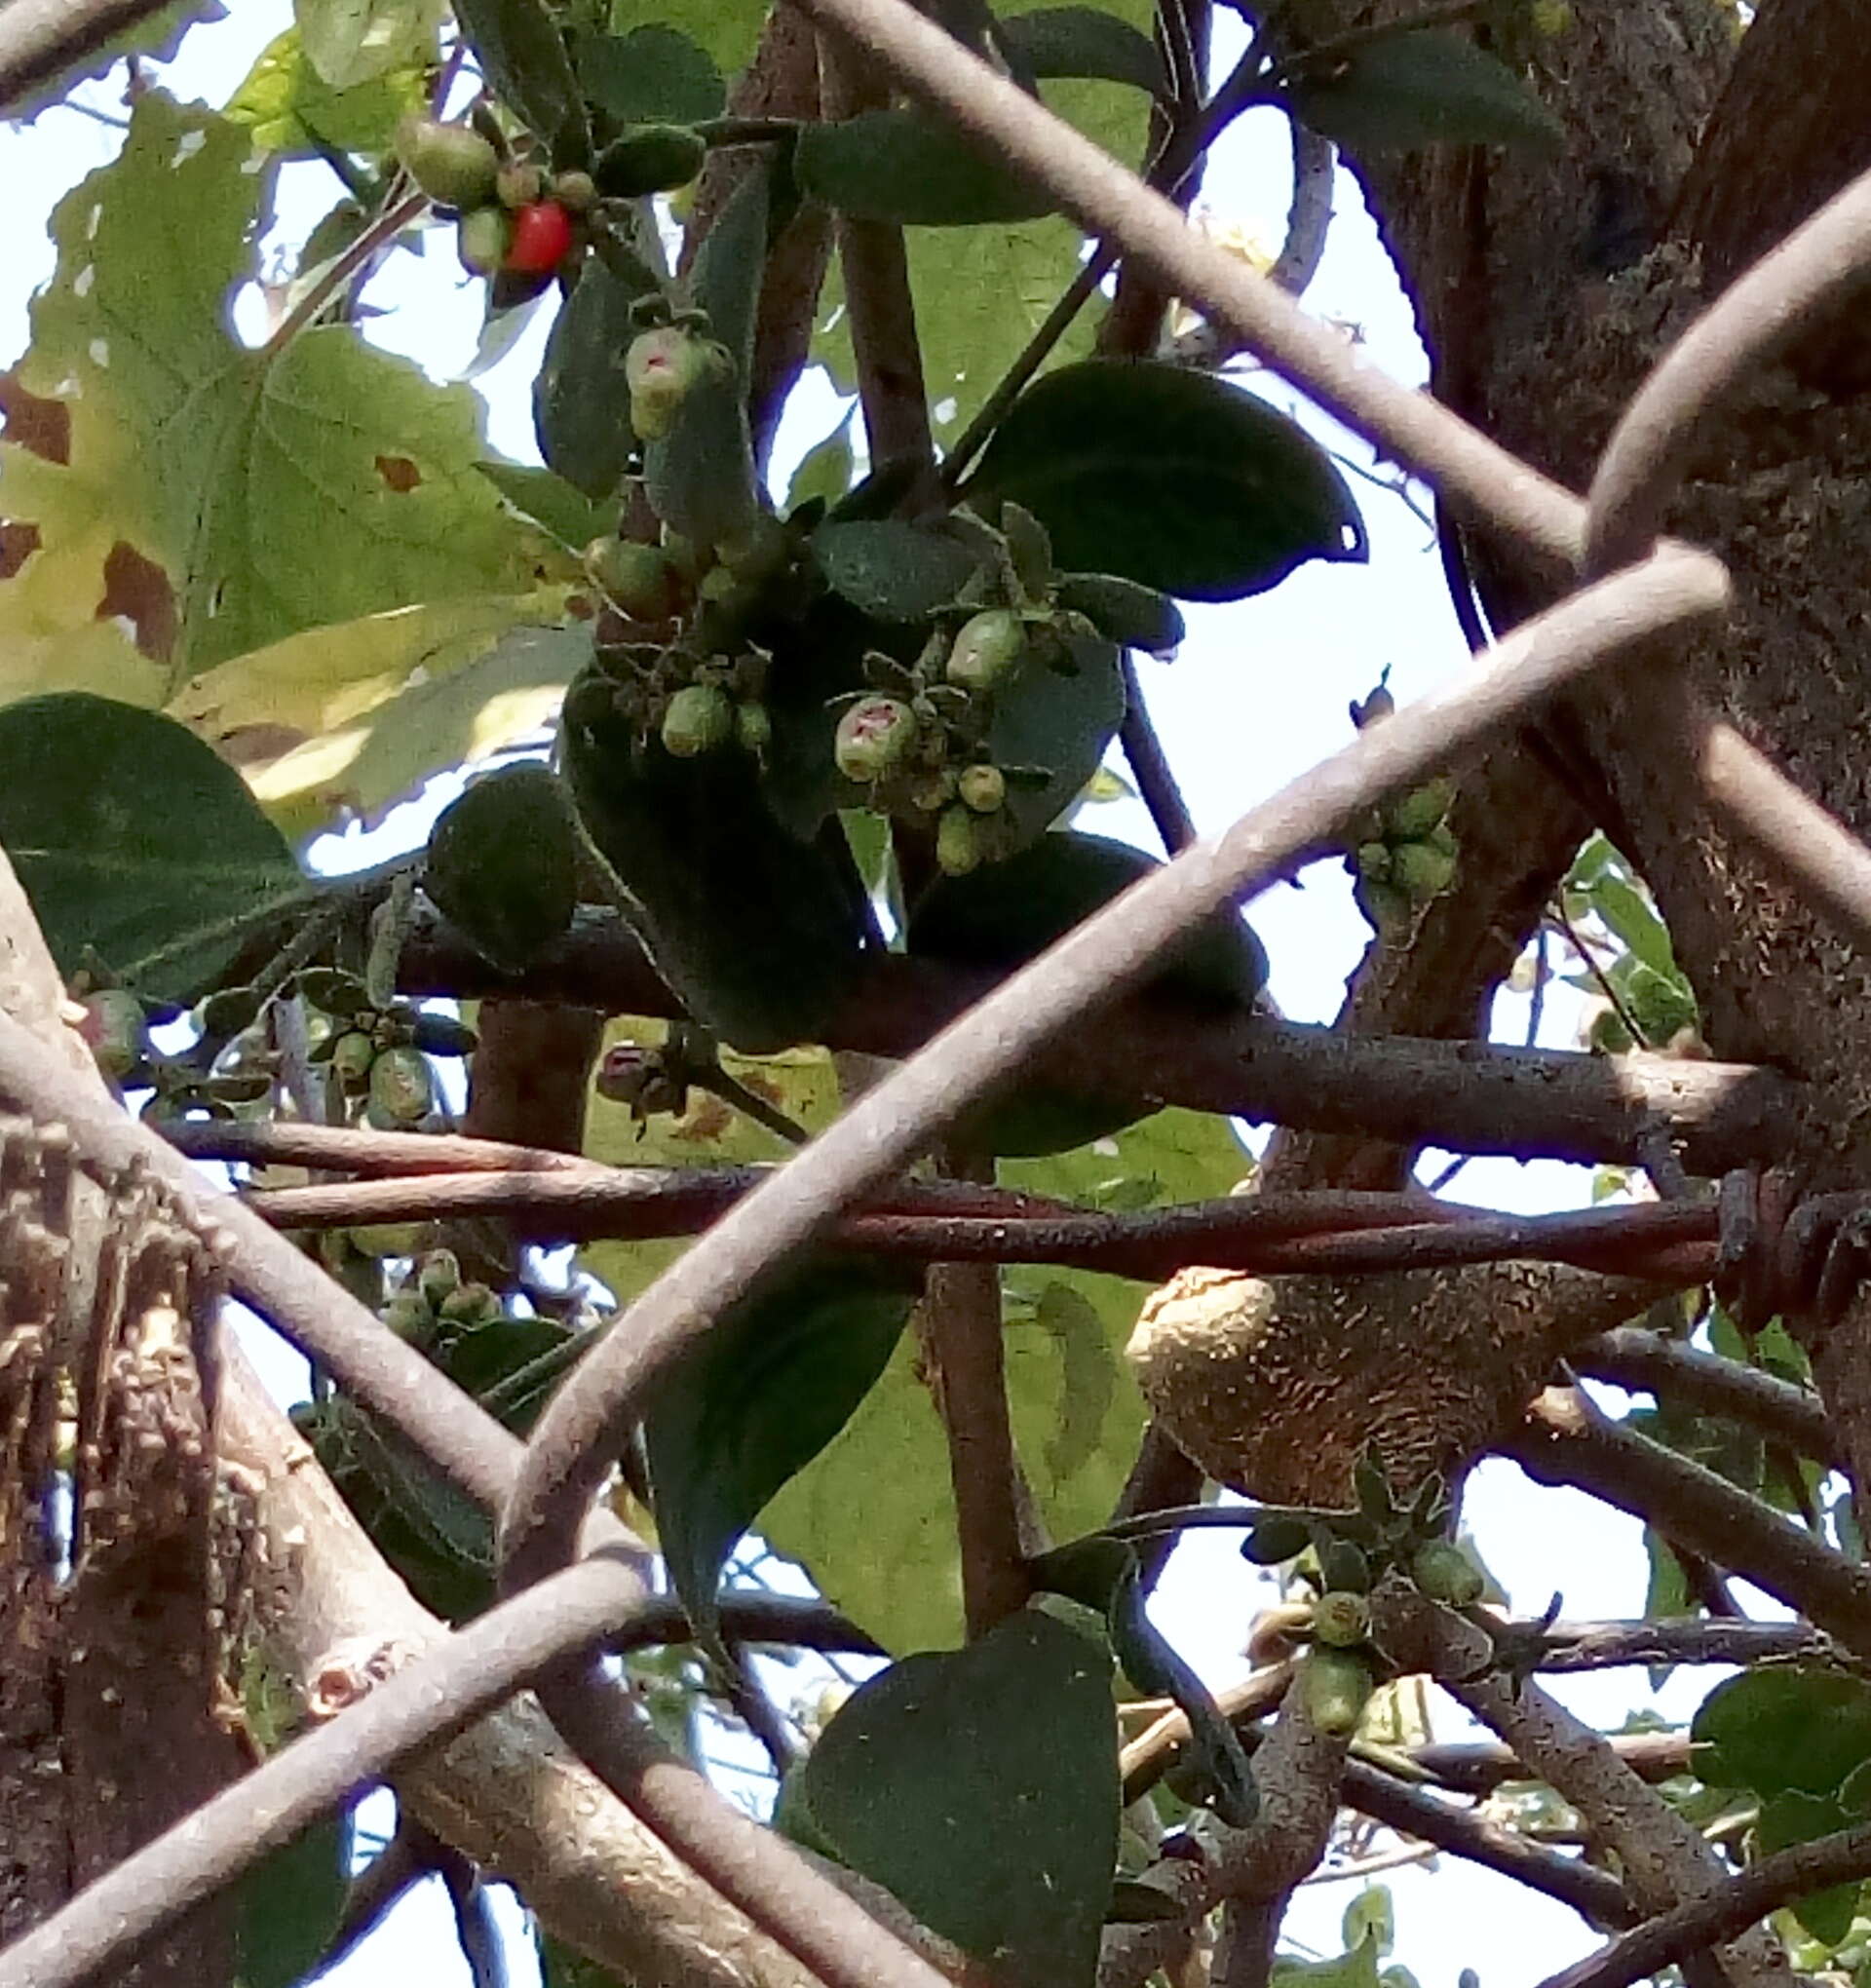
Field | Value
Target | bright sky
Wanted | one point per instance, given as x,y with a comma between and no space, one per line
1257,694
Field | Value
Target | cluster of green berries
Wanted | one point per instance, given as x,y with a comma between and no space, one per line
679,653
1404,854
379,1054
514,218
919,745
230,1065
435,1302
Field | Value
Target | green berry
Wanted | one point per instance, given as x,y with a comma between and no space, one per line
408,1316
1373,860
1411,817
482,239
874,737
982,788
438,1275
752,727
698,718
518,186
453,164
1335,1685
1446,1574
402,1087
639,578
114,1028
1341,1619
958,842
351,1056
986,649
575,192
1422,870
471,1306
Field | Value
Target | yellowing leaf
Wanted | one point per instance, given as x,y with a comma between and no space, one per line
286,104
278,489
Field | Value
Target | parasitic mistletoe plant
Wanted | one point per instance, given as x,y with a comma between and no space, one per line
756,791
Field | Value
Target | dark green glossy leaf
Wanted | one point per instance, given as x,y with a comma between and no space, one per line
1789,1728
891,571
909,167
523,56
1082,41
771,1385
287,1906
980,1787
503,864
1170,479
1418,89
135,839
581,403
1133,617
653,75
701,476
758,932
553,503
1789,1819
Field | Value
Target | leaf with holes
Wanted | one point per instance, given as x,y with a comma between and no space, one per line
980,1787
1169,479
1084,41
761,1394
135,842
1426,86
912,168
290,109
276,489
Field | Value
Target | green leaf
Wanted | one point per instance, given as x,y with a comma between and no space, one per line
910,166
982,1789
769,1387
287,106
134,840
581,403
276,489
350,42
1372,1916
1430,85
1357,1968
287,1906
1632,919
557,506
1132,616
825,470
1170,479
503,864
890,571
1791,1727
653,75
523,56
727,29
1063,723
1084,41
1791,1817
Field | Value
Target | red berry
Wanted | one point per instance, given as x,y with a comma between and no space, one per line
542,239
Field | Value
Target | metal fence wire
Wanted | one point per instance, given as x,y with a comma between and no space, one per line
564,1604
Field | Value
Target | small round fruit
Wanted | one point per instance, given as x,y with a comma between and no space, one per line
752,727
874,737
661,369
520,185
453,164
484,239
352,1055
1335,1685
114,1029
1422,870
986,649
639,578
542,239
982,788
471,1306
958,842
1341,1619
409,1317
1446,1574
402,1087
700,716
1373,860
1411,817
575,192
437,1275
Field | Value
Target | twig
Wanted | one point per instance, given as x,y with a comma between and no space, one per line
41,39
342,268
1618,1006
482,1946
404,1862
1150,765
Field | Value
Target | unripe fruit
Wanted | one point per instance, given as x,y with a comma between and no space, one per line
470,1305
651,159
408,1316
982,788
1411,817
113,1027
1336,1686
1341,1619
352,1055
1446,1574
639,578
663,367
874,738
518,187
453,165
752,727
575,192
437,1275
699,717
542,239
1373,860
484,239
958,842
402,1087
986,649
1420,869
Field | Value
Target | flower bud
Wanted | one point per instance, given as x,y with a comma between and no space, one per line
698,718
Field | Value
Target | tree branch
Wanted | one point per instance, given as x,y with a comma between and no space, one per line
41,39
